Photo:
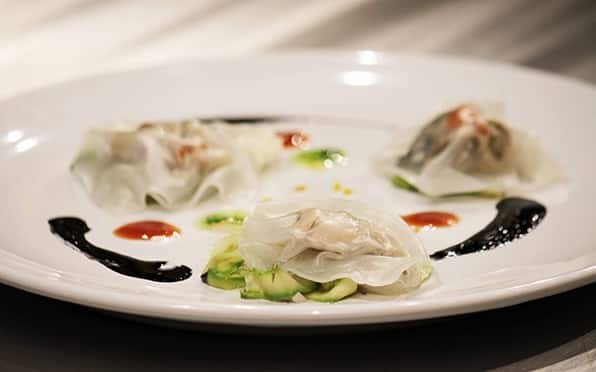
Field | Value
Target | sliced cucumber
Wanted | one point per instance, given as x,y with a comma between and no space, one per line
225,269
252,289
226,258
334,291
227,262
223,281
275,285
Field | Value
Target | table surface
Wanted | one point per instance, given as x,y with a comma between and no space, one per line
42,42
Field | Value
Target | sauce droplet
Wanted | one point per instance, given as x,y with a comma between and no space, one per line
300,188
293,139
454,119
73,230
146,230
430,220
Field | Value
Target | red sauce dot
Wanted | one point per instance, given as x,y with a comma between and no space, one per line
454,119
293,139
481,129
146,230
431,219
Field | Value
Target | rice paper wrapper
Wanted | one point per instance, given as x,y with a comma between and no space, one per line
379,251
123,169
528,169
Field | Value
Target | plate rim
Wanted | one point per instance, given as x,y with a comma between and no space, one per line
331,54
35,280
295,315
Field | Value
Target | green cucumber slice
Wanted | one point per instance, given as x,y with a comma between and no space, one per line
275,285
225,269
222,281
334,291
226,259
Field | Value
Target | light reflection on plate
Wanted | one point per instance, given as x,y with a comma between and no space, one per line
359,78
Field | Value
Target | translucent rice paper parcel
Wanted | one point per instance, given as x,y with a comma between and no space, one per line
124,167
331,239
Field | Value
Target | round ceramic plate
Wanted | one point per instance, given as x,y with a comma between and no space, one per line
356,101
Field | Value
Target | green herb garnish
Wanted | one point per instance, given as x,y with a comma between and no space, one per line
486,194
401,183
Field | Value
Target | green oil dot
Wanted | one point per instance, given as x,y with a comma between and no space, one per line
222,220
321,158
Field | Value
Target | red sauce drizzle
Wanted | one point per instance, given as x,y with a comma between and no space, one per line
431,219
293,139
454,119
146,230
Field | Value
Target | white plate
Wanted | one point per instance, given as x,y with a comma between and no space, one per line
40,132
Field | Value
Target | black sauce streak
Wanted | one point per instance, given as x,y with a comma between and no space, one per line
243,120
515,218
204,277
73,231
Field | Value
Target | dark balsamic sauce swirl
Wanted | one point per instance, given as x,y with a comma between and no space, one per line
73,231
515,218
243,120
